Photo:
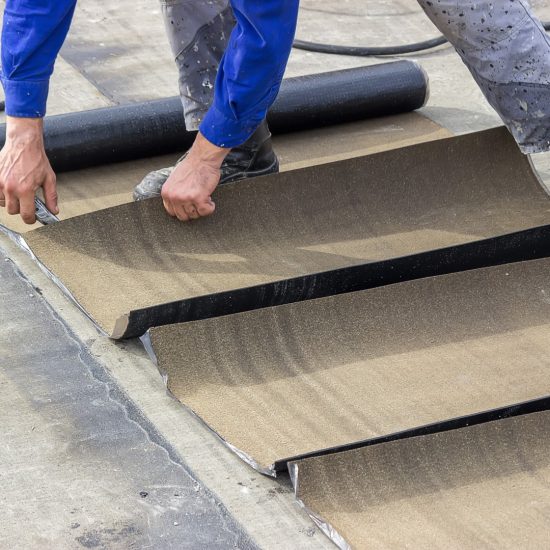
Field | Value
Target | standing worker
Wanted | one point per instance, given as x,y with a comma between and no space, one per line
501,42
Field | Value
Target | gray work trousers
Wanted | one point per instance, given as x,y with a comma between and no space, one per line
501,42
198,32
508,53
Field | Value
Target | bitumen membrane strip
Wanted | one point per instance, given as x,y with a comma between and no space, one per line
298,379
88,190
484,486
81,466
300,234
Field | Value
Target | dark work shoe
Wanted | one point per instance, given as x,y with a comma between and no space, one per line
253,158
152,183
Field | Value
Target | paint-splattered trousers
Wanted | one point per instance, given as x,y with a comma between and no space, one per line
508,53
501,42
198,31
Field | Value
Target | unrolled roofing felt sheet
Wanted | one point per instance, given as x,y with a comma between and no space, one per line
300,378
485,486
92,189
120,262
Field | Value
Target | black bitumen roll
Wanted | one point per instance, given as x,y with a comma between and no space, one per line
126,132
344,96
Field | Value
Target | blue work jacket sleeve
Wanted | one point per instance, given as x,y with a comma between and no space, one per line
251,70
32,34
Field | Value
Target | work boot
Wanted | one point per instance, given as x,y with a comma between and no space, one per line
253,158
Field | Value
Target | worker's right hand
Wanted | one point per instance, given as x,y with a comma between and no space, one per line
187,193
24,168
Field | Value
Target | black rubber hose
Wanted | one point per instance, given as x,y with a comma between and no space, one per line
127,132
367,51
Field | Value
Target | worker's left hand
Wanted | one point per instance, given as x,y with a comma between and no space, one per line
187,193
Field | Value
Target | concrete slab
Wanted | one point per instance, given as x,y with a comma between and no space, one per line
71,91
81,465
122,49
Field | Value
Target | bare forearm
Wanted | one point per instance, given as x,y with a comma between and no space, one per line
204,151
21,131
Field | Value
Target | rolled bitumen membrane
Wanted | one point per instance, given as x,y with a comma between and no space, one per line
126,132
437,207
484,486
342,371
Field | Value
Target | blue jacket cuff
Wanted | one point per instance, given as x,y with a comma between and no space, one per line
226,132
25,99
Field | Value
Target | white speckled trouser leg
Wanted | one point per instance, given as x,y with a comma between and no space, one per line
198,31
508,53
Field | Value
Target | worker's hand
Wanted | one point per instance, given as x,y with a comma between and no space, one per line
24,168
187,193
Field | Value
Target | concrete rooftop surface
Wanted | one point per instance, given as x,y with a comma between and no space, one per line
95,453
